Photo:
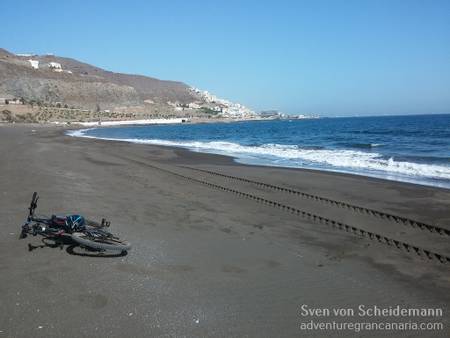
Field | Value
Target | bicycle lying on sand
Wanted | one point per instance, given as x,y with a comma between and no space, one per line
87,234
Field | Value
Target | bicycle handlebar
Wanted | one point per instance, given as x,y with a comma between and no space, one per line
33,205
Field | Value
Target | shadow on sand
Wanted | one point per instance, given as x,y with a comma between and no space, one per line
73,249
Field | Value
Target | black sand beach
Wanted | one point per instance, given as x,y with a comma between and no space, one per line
212,255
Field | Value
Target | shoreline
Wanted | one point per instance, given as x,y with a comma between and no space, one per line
64,128
237,160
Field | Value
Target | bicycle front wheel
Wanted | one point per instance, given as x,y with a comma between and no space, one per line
101,243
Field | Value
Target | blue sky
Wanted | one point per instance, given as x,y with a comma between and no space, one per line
328,57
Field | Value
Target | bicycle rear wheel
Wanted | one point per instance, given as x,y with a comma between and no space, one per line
101,243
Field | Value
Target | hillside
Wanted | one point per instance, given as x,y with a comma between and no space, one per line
51,79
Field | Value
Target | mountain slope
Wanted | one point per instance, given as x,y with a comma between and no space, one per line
83,85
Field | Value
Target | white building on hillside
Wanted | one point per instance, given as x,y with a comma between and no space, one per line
34,63
193,105
55,66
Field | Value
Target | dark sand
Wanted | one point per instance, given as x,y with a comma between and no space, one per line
204,262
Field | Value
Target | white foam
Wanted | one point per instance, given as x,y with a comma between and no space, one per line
294,156
79,133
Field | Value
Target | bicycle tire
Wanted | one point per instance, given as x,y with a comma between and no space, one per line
110,244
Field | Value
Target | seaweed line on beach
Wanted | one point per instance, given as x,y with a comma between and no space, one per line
400,245
371,212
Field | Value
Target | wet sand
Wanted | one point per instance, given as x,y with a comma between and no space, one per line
209,258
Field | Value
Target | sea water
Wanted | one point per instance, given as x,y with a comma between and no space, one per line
405,148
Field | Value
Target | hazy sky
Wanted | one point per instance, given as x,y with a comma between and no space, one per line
336,57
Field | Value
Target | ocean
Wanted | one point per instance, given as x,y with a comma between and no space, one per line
412,149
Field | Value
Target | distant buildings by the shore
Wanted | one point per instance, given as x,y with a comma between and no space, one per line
227,109
222,107
276,115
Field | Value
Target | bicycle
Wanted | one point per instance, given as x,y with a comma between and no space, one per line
87,234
